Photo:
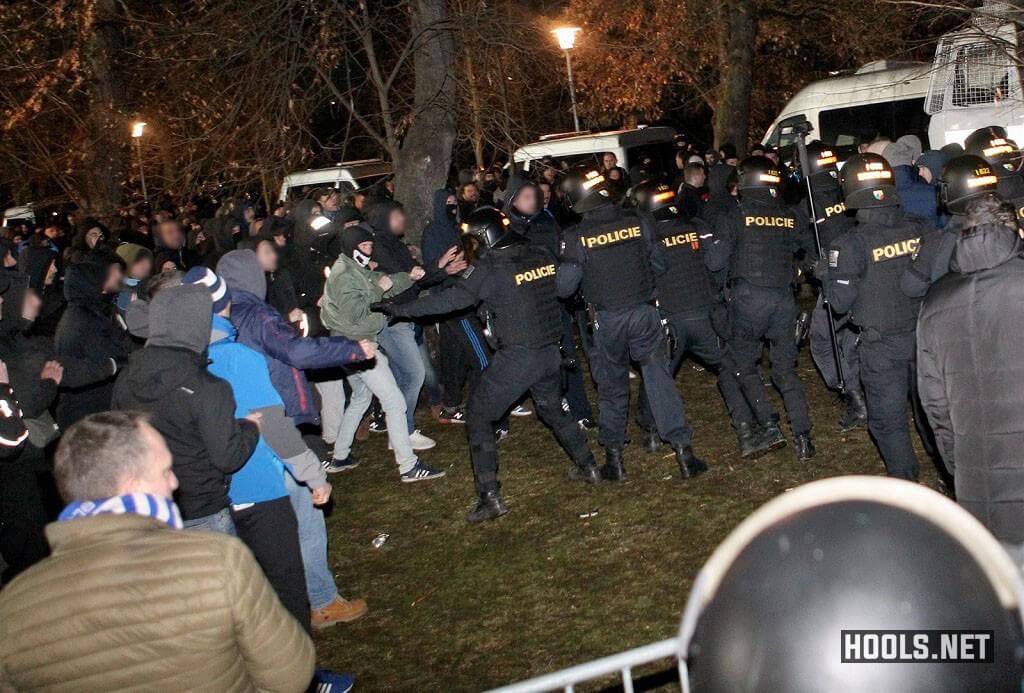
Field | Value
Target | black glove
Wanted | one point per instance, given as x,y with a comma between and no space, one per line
820,269
386,307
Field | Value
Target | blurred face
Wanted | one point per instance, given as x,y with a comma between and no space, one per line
396,222
30,308
93,236
610,161
171,235
168,266
154,475
329,202
266,256
549,175
545,190
141,269
249,214
614,174
526,201
53,232
114,277
255,227
9,260
925,173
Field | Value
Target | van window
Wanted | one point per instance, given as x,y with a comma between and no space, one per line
981,75
661,154
784,138
846,128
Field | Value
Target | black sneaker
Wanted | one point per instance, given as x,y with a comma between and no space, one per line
488,507
421,472
451,415
804,447
334,466
378,426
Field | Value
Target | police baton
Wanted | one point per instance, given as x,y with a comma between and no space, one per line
801,131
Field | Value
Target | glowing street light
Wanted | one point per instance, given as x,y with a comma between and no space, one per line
566,37
138,128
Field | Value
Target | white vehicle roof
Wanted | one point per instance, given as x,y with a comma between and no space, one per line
349,171
585,143
21,212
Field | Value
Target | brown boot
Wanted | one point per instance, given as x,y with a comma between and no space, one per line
338,611
363,432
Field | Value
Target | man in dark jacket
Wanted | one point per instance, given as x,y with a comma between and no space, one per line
90,329
192,409
969,373
722,195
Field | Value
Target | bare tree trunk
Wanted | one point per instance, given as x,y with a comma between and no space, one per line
426,151
476,136
104,156
732,113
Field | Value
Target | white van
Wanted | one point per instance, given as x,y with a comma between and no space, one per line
15,215
347,176
631,147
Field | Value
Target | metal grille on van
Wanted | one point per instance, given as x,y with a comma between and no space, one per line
973,73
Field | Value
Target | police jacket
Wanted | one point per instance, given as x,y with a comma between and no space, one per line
756,241
517,287
829,209
685,288
1011,189
611,257
931,262
865,268
970,375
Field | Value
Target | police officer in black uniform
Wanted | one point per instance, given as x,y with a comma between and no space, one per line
992,144
863,279
614,261
686,296
516,284
833,222
962,179
756,242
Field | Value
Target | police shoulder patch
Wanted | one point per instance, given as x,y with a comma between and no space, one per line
833,258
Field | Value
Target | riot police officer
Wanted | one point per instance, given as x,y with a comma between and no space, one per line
756,242
516,284
613,260
833,222
686,295
994,146
863,279
962,179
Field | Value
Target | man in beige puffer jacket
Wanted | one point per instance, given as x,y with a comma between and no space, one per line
128,602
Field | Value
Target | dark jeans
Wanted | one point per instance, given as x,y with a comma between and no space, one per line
887,370
635,334
695,336
513,372
758,314
271,532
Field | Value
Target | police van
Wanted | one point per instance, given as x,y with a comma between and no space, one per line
631,147
347,176
972,82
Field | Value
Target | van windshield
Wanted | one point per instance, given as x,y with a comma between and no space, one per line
847,128
301,192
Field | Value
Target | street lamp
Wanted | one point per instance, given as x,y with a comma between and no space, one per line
137,130
566,40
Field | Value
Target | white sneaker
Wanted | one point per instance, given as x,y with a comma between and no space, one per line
520,411
418,441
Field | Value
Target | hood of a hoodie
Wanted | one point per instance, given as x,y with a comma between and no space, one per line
516,184
242,272
218,232
379,216
983,247
301,214
179,317
33,262
718,179
83,284
439,204
221,330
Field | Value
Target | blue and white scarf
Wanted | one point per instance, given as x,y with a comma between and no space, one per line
163,509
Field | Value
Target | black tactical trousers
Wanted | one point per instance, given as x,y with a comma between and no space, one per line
635,334
758,314
513,372
575,391
887,373
824,356
696,336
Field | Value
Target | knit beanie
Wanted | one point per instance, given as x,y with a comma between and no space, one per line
219,291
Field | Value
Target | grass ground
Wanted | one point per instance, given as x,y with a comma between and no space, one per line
455,607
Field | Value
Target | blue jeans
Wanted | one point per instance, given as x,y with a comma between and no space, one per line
430,380
399,342
313,544
218,522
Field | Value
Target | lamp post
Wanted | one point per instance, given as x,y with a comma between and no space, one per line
137,129
566,40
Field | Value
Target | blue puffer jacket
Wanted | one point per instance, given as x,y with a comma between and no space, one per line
288,353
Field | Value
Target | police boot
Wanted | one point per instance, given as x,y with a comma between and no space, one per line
689,464
771,437
488,507
804,447
651,441
752,442
856,415
586,472
613,470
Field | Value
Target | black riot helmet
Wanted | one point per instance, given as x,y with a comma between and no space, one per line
868,182
963,179
768,610
486,228
992,144
588,188
655,198
821,158
760,173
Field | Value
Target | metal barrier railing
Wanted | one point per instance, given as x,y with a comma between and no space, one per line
622,663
